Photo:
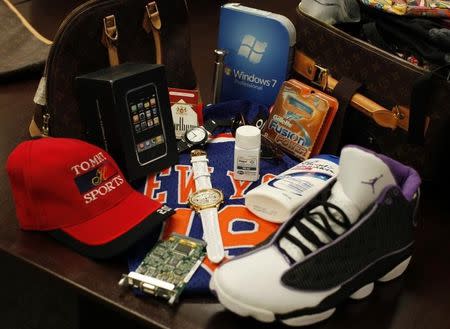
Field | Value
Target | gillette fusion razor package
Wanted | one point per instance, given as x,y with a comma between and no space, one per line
300,119
259,47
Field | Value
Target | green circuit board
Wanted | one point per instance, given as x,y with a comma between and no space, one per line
168,267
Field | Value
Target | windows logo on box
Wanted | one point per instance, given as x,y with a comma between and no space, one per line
252,49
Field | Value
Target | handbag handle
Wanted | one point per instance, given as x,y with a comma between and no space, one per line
151,23
316,74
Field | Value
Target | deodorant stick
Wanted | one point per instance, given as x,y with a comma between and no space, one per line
247,151
277,200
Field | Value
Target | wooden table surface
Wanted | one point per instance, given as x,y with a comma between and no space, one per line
419,299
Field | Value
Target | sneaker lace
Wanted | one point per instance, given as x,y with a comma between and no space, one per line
326,222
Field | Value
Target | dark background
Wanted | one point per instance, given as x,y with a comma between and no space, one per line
32,296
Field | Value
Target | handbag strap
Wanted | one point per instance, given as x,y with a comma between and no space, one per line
110,39
152,23
422,88
344,91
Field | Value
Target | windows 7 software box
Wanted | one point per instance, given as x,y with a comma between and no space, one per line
259,48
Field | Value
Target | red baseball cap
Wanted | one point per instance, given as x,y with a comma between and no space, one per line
76,192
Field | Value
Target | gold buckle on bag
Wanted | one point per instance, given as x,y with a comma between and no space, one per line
321,77
110,38
153,14
110,29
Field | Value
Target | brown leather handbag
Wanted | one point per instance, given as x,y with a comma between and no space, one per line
409,118
101,33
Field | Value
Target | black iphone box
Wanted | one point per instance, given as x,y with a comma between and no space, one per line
126,111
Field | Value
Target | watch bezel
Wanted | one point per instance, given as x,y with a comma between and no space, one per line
202,142
198,207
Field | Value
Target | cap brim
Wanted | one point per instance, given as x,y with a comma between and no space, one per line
115,230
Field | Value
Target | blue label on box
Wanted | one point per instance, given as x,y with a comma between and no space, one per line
258,56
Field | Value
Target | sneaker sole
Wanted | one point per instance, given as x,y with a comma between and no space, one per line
262,315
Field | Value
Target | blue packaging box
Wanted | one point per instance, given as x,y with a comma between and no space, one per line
259,48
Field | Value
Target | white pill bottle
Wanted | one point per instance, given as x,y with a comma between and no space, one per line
247,151
277,200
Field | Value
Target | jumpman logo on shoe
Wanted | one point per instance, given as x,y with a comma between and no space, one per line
372,182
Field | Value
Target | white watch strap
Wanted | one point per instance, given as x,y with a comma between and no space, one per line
202,177
211,234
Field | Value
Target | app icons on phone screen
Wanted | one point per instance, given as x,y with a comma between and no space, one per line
148,144
144,116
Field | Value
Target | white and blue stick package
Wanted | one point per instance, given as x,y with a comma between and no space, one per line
259,48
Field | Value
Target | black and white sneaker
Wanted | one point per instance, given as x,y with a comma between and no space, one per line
329,251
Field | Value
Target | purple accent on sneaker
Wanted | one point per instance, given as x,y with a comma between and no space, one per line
406,177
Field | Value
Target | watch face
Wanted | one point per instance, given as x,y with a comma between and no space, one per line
206,198
196,135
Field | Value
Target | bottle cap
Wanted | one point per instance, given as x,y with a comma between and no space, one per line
248,137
